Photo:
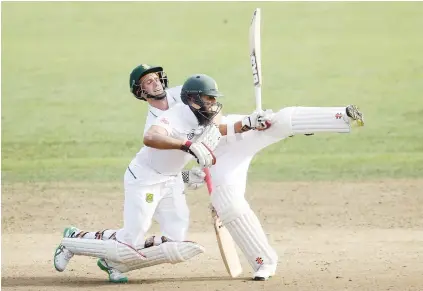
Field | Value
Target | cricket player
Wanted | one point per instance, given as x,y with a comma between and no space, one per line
153,181
234,154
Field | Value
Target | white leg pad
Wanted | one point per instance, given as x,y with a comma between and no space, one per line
168,252
248,233
301,120
105,249
244,226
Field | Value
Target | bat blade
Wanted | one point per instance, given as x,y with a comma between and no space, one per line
255,55
227,249
224,239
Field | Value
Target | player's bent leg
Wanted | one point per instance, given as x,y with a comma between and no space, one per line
303,120
246,230
138,212
171,252
172,212
140,204
106,249
63,255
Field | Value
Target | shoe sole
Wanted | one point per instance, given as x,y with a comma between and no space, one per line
356,116
105,269
54,259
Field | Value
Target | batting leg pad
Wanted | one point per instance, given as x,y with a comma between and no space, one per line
105,249
303,120
167,252
244,226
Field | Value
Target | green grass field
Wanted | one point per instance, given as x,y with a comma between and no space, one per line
67,113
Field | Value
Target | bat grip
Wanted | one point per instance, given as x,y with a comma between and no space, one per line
257,91
208,180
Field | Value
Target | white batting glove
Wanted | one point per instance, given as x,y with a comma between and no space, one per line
194,178
264,119
259,120
210,136
205,157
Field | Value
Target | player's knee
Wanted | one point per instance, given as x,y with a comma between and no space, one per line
233,210
281,123
176,227
176,231
229,202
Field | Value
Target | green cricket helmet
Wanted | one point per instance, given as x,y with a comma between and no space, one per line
196,86
139,72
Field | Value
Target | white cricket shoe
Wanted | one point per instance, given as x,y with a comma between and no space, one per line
265,272
115,276
355,114
62,255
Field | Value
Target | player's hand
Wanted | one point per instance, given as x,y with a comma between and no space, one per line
258,120
194,178
205,157
264,119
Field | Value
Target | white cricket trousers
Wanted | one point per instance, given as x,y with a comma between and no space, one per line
165,202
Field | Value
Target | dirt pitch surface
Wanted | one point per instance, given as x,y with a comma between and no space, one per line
329,236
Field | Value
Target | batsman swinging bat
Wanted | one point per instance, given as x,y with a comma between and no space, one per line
224,239
255,55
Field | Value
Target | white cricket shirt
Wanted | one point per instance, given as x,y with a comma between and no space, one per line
151,166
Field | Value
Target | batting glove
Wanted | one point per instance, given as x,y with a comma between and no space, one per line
205,157
194,178
258,120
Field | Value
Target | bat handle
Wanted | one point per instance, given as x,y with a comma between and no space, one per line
258,97
208,180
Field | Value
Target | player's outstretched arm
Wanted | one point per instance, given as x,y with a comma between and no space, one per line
157,137
258,120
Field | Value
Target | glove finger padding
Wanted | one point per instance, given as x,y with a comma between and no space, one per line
197,175
210,136
194,178
205,157
258,120
264,119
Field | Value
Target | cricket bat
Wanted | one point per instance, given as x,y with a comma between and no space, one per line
255,54
224,239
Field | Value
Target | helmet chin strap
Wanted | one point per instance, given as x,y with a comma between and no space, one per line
203,117
157,97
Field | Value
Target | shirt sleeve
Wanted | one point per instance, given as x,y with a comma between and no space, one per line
149,121
175,93
232,118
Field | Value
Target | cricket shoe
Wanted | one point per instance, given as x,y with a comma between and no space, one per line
62,255
115,276
355,114
265,272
